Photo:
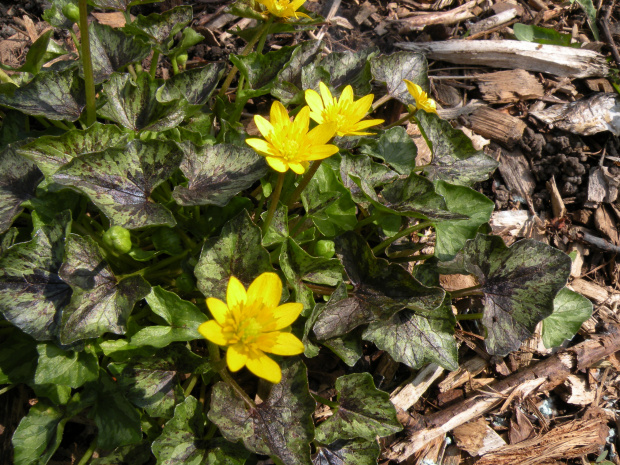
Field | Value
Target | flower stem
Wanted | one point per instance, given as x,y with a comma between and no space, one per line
275,198
87,65
214,353
423,132
469,316
369,219
190,385
175,66
303,183
89,452
474,290
386,98
154,61
399,122
264,34
416,227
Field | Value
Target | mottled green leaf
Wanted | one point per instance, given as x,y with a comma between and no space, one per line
59,394
519,283
39,434
261,70
452,234
394,147
216,173
161,28
455,160
134,104
361,169
392,69
111,49
120,5
66,367
380,289
19,181
541,35
288,86
31,292
54,95
281,426
52,152
189,38
236,252
242,9
195,85
415,339
345,452
54,14
278,229
182,317
120,181
590,10
37,55
100,303
363,411
570,310
18,357
135,454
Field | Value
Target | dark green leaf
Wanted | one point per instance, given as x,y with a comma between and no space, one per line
39,434
161,28
341,452
37,55
519,282
261,70
18,183
195,85
66,367
242,9
54,14
590,10
54,95
396,148
380,289
281,426
216,173
120,181
570,310
416,339
59,394
392,69
363,411
339,69
18,358
288,86
52,152
120,5
541,35
236,252
369,174
99,303
137,454
189,38
278,229
31,292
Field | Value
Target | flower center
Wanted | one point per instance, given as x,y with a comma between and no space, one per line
289,146
245,331
336,113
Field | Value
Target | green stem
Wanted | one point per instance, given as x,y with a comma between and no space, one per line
87,65
423,132
6,389
214,354
469,316
132,71
89,452
264,34
164,263
474,290
412,258
321,290
189,386
175,66
43,121
325,401
381,101
369,219
416,227
303,183
399,122
154,61
275,198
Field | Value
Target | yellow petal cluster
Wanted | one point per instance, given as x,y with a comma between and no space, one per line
344,112
284,8
422,100
289,144
250,324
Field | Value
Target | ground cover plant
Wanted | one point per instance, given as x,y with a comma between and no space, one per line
155,250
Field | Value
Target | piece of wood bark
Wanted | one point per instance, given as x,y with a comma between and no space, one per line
592,291
577,391
605,223
514,54
456,15
497,125
520,427
466,371
554,370
411,393
510,86
515,170
477,438
493,21
557,204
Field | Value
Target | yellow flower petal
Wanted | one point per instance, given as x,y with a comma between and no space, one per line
277,164
236,357
285,315
321,152
322,133
261,146
361,107
280,343
347,95
235,293
297,168
212,331
313,99
367,123
264,367
218,309
326,94
265,290
278,114
264,126
301,122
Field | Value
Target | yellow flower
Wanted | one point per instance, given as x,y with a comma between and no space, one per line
284,8
346,113
422,101
289,144
251,323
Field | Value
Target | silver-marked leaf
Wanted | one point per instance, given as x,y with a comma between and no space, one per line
31,292
519,283
380,290
52,152
19,181
288,86
120,181
195,85
135,454
392,69
261,70
363,411
99,303
216,173
66,367
161,28
135,106
452,234
112,49
416,339
281,426
394,147
120,5
54,14
54,95
182,317
339,69
360,175
455,160
570,310
345,452
236,252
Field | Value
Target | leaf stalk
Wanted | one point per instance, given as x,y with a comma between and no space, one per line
416,227
87,64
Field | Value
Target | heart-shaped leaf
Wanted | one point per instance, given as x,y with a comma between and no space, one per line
120,181
363,411
288,86
360,174
570,310
261,70
339,69
54,14
380,289
393,69
195,85
99,303
161,28
343,452
19,181
394,147
120,5
236,252
38,54
18,357
66,367
281,426
216,173
52,152
54,95
519,283
31,292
